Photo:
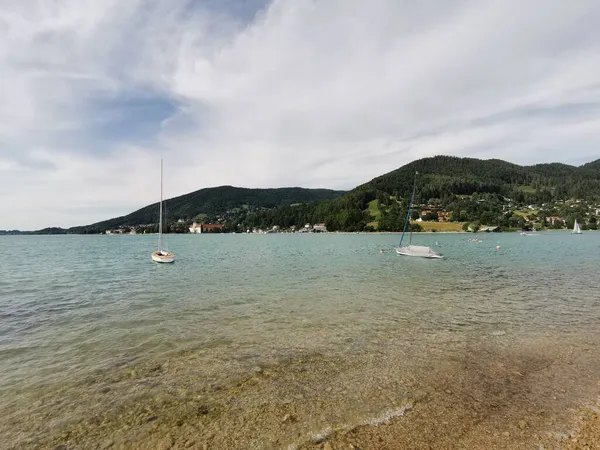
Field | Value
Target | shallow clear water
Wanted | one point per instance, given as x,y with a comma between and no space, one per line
71,306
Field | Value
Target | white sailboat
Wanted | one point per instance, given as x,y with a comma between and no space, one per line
576,228
419,251
161,255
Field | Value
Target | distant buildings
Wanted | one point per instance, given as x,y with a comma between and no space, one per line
117,231
429,215
306,229
320,228
444,216
198,228
554,220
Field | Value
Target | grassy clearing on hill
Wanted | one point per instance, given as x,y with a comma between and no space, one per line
441,226
375,213
374,210
528,189
527,213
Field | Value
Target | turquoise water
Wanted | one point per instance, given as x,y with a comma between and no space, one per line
71,306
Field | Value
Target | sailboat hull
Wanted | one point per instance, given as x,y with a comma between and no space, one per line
163,257
418,251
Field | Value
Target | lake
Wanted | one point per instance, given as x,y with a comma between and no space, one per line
274,341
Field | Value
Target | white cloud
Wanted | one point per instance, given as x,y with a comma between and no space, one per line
323,93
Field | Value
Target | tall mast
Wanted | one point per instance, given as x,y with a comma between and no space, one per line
406,222
410,209
160,223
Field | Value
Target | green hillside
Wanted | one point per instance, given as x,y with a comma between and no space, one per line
443,175
213,204
471,189
491,192
594,165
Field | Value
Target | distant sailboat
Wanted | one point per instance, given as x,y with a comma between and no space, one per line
161,255
576,229
419,251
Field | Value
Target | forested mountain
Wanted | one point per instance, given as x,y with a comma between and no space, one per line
594,165
442,175
465,189
443,181
212,204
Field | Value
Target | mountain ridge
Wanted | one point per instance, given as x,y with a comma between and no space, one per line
210,203
444,181
441,177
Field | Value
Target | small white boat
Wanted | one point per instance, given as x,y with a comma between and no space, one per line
160,255
419,251
576,228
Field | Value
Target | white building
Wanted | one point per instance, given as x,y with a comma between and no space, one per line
196,228
306,229
320,228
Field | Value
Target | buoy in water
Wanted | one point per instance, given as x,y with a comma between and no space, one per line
498,247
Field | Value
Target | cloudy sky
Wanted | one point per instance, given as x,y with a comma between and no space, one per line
257,93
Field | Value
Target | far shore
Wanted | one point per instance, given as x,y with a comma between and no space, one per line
34,233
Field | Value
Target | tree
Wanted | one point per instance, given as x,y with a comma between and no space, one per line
516,221
392,219
465,226
489,218
382,199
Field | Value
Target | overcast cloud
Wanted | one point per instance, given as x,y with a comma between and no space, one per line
326,93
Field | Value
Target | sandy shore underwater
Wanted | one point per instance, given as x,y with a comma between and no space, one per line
435,390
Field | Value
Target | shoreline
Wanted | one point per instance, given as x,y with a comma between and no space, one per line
324,233
495,391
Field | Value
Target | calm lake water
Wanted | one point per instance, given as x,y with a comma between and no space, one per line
77,312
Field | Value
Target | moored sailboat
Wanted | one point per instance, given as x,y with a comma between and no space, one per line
419,251
161,255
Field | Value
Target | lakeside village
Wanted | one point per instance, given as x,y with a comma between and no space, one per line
428,216
198,228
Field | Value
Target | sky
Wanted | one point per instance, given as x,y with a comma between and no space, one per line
258,93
